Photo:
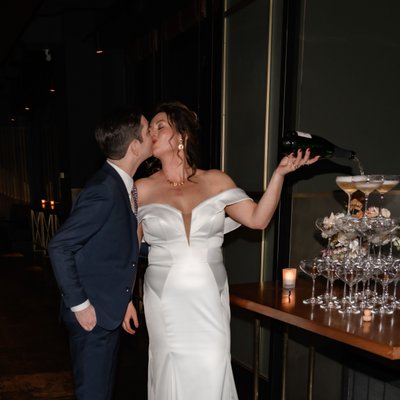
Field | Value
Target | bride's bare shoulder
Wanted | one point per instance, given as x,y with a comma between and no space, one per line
146,186
217,178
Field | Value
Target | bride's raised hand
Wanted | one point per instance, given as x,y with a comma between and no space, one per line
291,162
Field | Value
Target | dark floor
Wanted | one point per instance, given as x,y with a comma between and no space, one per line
34,360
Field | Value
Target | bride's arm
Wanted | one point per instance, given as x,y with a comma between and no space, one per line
258,216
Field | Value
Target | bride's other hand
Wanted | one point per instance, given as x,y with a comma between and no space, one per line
291,162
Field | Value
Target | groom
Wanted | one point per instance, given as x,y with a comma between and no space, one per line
94,256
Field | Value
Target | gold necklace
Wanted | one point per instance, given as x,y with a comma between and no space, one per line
176,184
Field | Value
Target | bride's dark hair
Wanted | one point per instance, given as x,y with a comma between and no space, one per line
186,123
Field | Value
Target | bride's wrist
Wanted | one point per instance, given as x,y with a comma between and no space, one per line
279,174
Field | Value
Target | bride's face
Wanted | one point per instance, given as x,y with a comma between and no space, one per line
165,137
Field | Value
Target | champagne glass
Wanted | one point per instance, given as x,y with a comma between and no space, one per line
348,227
328,228
367,184
310,268
380,232
389,182
384,276
329,272
348,186
350,275
396,266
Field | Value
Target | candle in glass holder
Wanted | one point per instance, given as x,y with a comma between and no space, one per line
43,202
289,278
52,204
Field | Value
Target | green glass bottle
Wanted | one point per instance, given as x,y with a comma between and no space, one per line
295,140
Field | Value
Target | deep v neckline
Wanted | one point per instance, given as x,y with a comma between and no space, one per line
187,227
194,208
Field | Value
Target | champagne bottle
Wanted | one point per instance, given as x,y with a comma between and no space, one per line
295,140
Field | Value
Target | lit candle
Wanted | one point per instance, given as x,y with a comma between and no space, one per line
289,277
52,203
43,203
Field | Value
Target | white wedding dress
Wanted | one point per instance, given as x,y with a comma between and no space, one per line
186,300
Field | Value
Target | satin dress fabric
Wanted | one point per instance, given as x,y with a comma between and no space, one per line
186,300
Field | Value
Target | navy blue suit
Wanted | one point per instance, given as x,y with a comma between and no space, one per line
94,256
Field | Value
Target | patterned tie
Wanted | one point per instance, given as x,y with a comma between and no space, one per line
134,199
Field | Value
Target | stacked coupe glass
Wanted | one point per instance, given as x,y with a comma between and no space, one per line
359,252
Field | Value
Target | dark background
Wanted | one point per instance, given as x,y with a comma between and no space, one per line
152,51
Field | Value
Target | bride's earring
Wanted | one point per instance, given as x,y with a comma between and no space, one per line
180,145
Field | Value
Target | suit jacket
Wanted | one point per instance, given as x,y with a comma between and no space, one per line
94,254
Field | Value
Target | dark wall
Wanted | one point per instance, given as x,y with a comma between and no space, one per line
167,54
153,51
348,83
180,59
168,62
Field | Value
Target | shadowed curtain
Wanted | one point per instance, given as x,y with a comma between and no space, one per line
14,178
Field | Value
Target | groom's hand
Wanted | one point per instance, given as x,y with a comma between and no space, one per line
130,315
87,318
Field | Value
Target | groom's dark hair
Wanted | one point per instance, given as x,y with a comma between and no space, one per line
117,131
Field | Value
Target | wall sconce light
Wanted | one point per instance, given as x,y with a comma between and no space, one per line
99,49
52,89
47,54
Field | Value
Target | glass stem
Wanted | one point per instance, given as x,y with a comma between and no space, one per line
365,207
350,294
327,288
348,204
344,294
384,294
363,289
313,289
390,256
331,292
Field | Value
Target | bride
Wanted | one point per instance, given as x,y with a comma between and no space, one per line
184,213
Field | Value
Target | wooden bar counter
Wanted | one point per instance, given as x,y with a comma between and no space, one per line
381,336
